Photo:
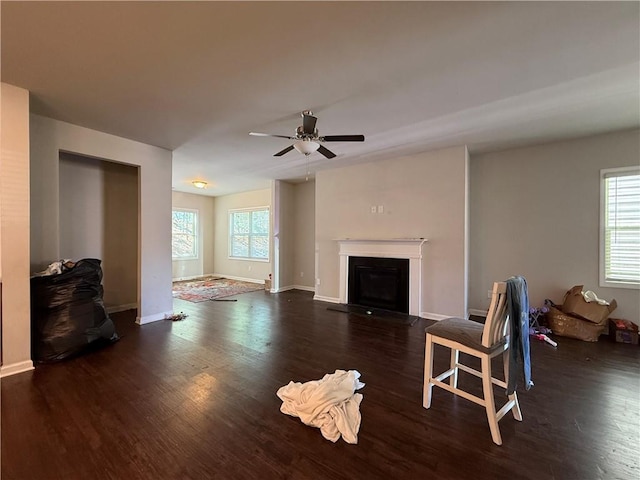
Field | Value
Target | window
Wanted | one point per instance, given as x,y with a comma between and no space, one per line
184,234
249,233
620,227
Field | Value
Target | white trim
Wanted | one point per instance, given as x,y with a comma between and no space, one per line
434,316
603,282
409,248
304,287
283,289
292,287
192,277
197,235
121,308
326,299
15,368
240,279
478,313
153,318
230,212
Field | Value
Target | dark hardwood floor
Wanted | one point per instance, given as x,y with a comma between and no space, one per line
196,399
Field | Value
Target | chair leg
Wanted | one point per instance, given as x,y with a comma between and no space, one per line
455,358
490,405
427,387
515,410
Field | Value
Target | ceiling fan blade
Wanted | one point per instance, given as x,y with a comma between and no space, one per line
326,152
282,152
308,123
256,134
343,138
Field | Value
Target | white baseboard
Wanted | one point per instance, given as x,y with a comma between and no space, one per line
121,308
434,316
479,313
326,299
16,368
153,318
282,289
293,287
195,277
240,279
304,287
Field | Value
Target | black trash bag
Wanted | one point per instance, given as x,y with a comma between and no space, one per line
67,313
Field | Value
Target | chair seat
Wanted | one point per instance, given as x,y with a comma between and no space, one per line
465,332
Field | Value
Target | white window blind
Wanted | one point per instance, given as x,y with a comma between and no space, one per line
620,242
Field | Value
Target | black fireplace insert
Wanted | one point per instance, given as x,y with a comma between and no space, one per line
379,283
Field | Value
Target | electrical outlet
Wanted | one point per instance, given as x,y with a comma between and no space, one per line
380,208
301,274
489,293
317,281
249,267
373,209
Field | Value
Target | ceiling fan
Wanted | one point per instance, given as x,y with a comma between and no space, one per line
307,139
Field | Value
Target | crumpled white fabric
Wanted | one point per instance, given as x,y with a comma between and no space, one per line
329,404
590,296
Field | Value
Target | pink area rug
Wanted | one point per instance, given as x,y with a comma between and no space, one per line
211,288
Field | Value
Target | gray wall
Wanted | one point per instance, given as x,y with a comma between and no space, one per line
99,219
424,195
241,269
284,233
47,139
206,219
535,212
304,201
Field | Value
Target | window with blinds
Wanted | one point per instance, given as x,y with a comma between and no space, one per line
620,228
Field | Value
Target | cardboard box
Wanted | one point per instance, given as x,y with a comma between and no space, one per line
623,331
573,327
575,304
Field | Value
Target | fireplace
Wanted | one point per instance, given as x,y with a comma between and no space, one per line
409,249
379,283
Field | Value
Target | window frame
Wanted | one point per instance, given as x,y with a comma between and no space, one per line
604,175
196,235
231,212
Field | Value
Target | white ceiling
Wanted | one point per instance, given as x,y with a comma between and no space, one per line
196,77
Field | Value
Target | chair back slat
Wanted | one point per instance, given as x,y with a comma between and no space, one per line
495,327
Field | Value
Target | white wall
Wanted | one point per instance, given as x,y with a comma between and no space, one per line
424,195
304,231
203,265
48,138
99,219
535,212
240,269
14,225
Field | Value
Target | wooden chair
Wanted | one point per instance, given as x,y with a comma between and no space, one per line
484,342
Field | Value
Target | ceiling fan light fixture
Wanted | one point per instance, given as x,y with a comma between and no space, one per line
199,184
306,147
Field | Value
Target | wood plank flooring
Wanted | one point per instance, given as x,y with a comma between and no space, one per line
196,399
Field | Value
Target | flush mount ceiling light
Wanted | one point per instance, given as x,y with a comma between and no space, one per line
306,147
199,184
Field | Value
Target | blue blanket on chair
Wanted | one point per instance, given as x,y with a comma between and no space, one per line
518,311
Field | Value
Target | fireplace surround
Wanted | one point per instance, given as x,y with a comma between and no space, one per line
398,248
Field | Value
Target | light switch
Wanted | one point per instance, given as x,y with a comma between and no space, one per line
373,209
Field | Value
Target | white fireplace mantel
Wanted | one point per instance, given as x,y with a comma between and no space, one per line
410,248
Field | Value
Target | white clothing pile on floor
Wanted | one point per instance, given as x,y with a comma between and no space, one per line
329,404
